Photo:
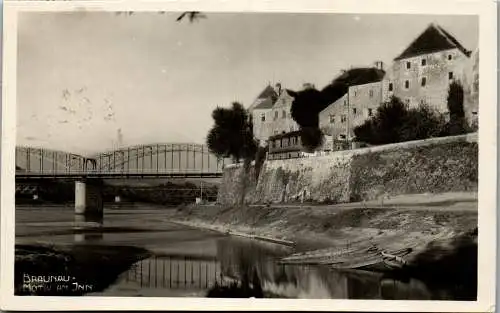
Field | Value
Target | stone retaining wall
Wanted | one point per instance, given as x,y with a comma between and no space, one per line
424,166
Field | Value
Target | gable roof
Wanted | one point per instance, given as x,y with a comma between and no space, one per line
263,104
433,39
268,92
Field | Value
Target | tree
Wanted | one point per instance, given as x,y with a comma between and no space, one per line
366,132
232,134
311,138
393,122
306,106
387,123
457,123
421,123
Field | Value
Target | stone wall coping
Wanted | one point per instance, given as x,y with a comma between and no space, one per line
237,165
472,137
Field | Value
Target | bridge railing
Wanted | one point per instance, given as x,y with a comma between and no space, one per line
49,172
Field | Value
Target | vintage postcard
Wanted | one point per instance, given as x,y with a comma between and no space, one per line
245,155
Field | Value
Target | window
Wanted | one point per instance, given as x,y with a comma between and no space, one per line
408,65
390,86
424,81
450,56
474,113
371,93
343,119
370,112
342,136
354,111
283,114
275,115
407,84
450,75
332,118
355,93
424,62
291,128
263,117
345,103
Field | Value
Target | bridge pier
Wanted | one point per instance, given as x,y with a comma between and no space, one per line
88,198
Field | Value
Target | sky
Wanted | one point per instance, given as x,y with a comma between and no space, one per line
83,76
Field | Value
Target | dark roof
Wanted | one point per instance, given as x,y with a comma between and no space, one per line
352,77
291,92
264,104
268,92
285,135
433,39
361,76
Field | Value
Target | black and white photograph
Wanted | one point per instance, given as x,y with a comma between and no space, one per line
190,152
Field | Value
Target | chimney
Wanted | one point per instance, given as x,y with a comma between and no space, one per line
379,65
306,86
277,89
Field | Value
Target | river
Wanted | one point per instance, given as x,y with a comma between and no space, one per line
191,262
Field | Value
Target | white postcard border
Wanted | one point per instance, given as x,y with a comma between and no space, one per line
487,155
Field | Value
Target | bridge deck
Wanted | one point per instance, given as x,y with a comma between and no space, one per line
116,175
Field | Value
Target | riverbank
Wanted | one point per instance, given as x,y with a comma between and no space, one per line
70,270
437,229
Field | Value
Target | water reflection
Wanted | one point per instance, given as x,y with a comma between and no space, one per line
174,272
88,228
249,268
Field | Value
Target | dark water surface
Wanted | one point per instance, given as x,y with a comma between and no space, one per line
191,262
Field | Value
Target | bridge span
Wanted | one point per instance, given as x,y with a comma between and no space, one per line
154,161
165,160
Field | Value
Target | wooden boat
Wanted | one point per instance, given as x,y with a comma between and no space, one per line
374,259
393,261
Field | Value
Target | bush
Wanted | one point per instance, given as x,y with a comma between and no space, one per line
311,137
394,122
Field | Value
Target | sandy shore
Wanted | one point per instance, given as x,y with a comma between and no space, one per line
328,234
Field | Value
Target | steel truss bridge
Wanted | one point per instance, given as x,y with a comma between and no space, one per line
144,161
